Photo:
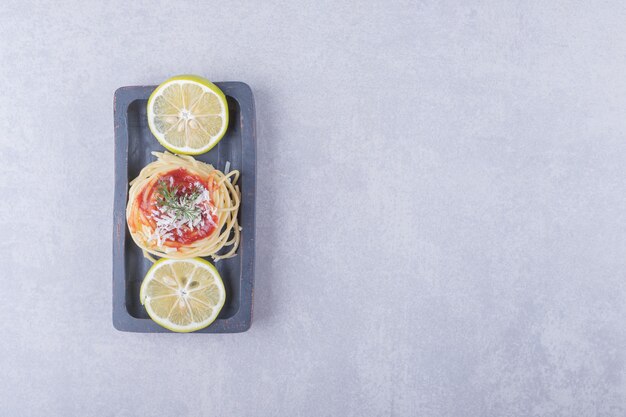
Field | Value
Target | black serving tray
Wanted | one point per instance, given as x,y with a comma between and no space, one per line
133,146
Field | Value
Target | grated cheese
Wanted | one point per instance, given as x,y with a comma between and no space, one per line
170,224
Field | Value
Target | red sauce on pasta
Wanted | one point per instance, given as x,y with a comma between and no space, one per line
178,207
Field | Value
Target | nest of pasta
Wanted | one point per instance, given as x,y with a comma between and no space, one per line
179,208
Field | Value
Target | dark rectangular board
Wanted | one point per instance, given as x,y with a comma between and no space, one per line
133,146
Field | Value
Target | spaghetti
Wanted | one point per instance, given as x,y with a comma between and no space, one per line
179,208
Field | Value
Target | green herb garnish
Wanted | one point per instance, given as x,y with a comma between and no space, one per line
182,207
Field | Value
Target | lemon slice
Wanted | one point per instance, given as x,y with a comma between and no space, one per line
188,114
183,295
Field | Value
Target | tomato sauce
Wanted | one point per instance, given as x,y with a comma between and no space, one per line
185,183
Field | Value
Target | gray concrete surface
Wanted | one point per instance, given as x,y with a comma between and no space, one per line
441,209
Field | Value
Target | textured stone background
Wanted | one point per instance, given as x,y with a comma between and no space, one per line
441,208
